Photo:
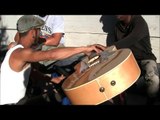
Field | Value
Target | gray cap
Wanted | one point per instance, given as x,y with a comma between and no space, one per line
27,22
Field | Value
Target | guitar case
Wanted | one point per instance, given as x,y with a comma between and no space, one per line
99,78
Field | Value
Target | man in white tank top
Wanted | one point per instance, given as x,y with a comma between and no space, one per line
15,68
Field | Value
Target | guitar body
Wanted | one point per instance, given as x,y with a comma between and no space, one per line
104,80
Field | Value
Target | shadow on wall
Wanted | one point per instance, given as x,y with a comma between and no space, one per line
108,22
3,33
3,40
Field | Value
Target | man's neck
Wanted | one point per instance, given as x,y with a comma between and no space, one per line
127,21
24,42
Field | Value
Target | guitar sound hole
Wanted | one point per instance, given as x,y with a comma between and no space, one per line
113,82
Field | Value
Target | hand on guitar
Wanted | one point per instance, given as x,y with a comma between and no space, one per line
96,47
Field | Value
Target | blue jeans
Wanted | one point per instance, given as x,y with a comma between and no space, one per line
150,72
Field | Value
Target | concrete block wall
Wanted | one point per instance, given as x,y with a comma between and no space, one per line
87,29
154,28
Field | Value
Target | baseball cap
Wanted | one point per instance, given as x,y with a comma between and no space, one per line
27,22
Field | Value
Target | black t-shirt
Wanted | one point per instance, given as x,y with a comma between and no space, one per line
134,36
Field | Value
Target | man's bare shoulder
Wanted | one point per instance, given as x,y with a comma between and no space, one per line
21,53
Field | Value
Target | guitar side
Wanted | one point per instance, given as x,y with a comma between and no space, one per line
103,81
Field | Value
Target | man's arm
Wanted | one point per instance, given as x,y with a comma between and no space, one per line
37,75
58,31
20,57
59,53
110,39
53,39
139,31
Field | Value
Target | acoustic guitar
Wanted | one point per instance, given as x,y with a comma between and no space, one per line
101,77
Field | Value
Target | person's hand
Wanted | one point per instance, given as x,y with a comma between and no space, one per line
58,79
96,47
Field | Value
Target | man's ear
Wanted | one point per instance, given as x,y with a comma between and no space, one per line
16,37
33,33
33,37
